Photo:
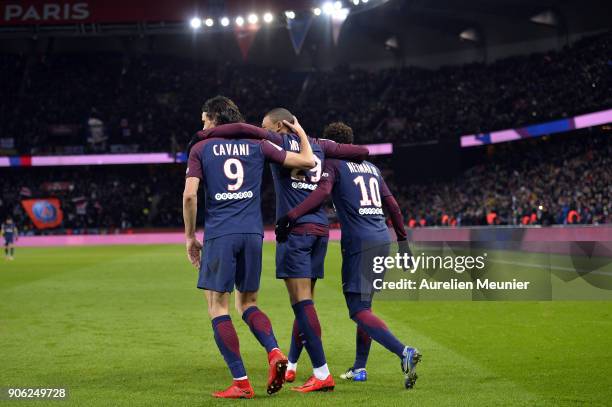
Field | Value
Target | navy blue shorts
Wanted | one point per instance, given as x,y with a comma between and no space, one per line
301,256
231,260
357,269
8,239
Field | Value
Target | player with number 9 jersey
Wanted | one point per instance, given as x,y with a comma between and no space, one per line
303,256
231,171
300,259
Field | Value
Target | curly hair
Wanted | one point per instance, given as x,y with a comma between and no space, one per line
338,132
222,110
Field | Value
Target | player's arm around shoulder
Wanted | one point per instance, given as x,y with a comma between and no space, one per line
319,195
305,159
241,131
349,152
314,200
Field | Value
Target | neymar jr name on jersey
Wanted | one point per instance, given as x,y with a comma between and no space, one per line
363,168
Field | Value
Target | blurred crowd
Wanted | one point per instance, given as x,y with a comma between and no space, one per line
112,103
513,92
99,198
564,180
106,199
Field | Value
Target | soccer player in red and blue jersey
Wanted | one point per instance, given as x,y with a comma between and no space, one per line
10,234
231,172
359,194
300,259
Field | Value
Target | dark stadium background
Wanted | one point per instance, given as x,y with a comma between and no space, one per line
418,74
103,303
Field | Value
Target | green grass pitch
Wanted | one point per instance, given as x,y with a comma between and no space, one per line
125,326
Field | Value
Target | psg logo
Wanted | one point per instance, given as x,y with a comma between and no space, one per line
44,211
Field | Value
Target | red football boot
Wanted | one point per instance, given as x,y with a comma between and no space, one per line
314,384
240,389
290,376
276,373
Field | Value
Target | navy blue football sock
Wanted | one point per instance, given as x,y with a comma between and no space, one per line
377,329
362,349
297,343
261,327
308,323
227,341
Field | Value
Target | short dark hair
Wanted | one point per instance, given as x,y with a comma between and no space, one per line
279,114
222,110
338,132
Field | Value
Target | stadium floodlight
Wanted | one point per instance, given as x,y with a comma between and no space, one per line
225,21
340,15
209,22
364,1
470,34
317,11
337,5
239,21
195,23
290,14
356,2
268,17
328,7
547,17
253,19
392,43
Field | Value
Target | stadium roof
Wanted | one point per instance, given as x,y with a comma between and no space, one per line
438,31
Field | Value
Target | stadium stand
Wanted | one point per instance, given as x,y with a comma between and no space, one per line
541,180
147,103
108,103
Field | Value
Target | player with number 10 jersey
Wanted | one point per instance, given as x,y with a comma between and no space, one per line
359,194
